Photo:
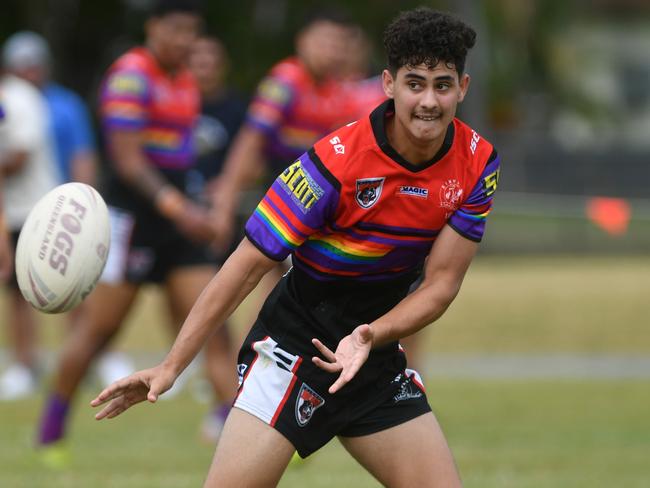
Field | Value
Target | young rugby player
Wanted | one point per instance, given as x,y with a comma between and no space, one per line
359,212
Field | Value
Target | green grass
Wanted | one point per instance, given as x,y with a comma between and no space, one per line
503,433
506,305
543,304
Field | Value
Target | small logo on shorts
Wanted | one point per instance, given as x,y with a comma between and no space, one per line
306,404
408,388
241,371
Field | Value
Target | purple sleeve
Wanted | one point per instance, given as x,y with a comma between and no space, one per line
125,100
272,98
469,220
299,203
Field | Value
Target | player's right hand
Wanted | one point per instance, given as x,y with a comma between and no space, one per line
143,385
223,226
194,223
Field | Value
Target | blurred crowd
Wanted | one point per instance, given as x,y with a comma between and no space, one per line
175,152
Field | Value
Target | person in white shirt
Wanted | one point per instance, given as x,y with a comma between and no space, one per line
28,170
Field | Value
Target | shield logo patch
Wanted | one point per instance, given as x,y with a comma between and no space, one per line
369,191
306,404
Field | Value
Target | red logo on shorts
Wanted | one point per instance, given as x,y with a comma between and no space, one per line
306,404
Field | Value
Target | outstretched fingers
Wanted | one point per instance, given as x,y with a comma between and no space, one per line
331,365
110,392
113,409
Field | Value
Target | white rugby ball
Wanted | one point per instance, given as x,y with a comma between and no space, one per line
62,247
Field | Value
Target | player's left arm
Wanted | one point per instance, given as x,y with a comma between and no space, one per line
448,261
445,269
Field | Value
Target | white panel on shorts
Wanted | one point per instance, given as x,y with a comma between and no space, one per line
268,381
121,229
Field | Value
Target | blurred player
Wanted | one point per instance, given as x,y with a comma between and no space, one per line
27,166
359,212
27,55
149,105
301,99
6,251
222,113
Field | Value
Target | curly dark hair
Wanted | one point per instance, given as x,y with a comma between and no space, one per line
424,35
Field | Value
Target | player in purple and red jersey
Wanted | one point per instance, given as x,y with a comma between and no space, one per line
149,106
361,213
301,99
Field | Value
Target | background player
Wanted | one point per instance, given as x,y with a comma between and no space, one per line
410,182
149,105
28,167
27,55
6,251
302,98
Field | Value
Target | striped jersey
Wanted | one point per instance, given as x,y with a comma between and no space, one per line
352,208
138,95
293,110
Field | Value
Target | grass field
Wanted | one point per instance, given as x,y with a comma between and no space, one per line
504,433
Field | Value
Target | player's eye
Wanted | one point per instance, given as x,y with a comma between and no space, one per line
413,85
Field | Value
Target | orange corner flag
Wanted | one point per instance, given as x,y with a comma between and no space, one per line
610,214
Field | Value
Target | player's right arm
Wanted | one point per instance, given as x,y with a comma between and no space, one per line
298,203
242,167
246,157
235,280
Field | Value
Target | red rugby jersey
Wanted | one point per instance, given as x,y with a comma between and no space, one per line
138,95
294,110
352,207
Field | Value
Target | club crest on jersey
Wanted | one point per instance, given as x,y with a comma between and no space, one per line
307,403
450,194
369,191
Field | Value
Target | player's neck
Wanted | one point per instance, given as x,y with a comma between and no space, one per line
415,151
213,92
166,67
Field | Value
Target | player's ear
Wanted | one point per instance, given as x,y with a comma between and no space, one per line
464,85
388,83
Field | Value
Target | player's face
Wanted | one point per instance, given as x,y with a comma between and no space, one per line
425,100
171,37
207,62
322,47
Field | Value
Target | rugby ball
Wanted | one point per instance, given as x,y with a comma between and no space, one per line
62,247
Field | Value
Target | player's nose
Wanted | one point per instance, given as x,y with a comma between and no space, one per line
429,100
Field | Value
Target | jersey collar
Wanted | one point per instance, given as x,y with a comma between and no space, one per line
378,123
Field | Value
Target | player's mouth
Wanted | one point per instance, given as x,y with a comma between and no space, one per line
427,117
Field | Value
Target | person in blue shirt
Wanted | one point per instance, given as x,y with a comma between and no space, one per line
27,55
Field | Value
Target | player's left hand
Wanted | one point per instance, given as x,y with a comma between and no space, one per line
348,358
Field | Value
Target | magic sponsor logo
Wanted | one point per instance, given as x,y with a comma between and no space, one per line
298,183
413,191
